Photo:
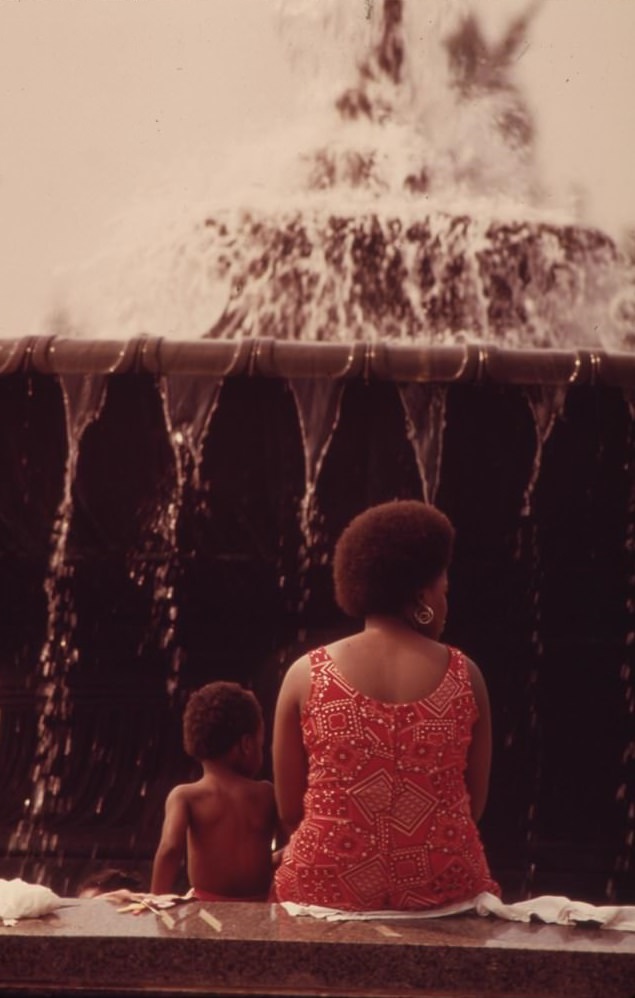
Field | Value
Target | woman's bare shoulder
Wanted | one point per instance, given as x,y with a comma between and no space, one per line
297,675
474,671
295,686
479,685
301,665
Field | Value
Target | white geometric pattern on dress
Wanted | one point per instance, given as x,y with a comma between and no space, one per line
338,717
439,732
387,819
438,701
366,880
412,900
413,806
373,795
409,866
310,840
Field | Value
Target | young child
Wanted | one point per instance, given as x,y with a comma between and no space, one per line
105,881
225,822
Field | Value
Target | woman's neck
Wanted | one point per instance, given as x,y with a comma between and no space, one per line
394,626
384,621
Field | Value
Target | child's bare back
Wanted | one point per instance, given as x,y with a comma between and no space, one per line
231,830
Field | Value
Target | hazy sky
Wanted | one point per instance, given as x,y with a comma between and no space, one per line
100,99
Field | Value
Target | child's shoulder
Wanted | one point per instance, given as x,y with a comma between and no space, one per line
265,801
196,788
263,791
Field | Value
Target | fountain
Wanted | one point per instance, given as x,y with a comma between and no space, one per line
185,445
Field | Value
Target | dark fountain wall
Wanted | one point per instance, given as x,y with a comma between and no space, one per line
539,598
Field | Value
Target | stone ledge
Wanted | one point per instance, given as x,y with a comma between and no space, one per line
90,949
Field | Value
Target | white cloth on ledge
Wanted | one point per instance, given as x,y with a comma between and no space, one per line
548,908
21,900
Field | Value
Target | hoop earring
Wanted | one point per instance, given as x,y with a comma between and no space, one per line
423,615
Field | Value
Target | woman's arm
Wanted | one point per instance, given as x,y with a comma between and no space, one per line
290,765
479,759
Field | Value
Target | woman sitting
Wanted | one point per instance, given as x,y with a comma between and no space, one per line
382,740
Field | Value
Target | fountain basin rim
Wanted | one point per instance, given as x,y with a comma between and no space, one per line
288,359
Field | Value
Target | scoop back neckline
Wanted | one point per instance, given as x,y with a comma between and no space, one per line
452,653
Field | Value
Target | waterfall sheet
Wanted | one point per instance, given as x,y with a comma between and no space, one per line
549,909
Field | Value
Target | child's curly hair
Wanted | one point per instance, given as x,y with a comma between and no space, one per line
216,717
387,553
110,879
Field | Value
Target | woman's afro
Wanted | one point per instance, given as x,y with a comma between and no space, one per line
389,552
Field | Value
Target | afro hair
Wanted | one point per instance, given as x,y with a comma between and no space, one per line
387,553
216,718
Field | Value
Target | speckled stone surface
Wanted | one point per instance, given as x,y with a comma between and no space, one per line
90,948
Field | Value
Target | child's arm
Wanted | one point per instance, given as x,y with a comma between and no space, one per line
172,846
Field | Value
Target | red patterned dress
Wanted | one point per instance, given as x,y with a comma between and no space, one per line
387,822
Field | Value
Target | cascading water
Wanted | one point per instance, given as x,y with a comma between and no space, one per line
188,406
408,212
408,208
547,404
411,210
424,406
318,403
83,399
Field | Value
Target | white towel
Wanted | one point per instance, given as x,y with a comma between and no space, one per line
550,909
559,911
340,915
21,900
